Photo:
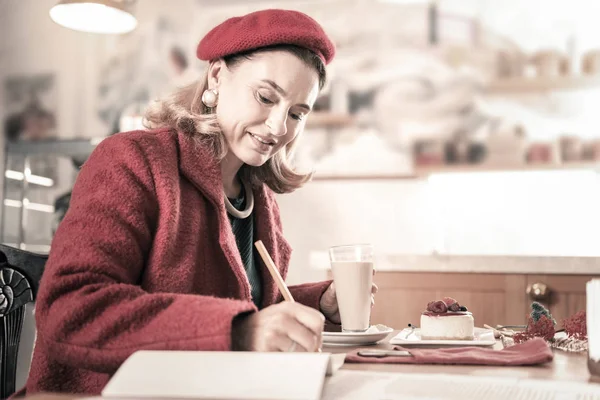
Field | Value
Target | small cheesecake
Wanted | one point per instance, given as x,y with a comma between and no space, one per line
447,320
447,326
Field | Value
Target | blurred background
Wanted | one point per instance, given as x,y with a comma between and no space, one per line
448,128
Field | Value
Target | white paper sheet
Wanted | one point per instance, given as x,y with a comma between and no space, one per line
390,386
220,375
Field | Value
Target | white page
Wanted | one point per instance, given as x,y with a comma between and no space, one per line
365,385
219,375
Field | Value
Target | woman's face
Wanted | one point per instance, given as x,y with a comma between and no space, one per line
263,103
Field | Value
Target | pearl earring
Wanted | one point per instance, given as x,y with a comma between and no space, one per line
210,98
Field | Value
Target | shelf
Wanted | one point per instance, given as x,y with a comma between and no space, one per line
537,85
372,177
322,119
424,172
58,147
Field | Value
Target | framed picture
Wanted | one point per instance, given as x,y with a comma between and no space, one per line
31,115
30,102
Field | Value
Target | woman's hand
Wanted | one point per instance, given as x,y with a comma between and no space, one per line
285,326
329,304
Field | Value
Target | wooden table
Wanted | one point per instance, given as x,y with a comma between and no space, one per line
569,367
566,366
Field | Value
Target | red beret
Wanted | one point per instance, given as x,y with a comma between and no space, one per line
265,28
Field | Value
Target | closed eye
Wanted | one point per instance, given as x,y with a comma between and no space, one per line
264,99
298,117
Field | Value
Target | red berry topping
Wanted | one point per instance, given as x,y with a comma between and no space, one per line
438,307
449,301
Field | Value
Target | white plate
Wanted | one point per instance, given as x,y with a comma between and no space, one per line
409,336
372,335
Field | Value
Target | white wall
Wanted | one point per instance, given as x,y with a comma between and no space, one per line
550,213
390,214
545,213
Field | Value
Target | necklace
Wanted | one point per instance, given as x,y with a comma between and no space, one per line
249,204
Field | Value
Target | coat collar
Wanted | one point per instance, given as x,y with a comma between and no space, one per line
200,167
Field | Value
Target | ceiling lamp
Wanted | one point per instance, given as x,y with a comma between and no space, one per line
96,16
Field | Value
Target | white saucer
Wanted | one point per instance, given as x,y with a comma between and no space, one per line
372,335
408,336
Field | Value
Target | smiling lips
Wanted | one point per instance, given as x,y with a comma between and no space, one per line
268,142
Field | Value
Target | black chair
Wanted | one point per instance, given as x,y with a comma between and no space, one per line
20,274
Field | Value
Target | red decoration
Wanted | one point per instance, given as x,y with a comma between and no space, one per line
576,326
543,328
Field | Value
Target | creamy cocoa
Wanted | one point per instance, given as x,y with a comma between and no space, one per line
353,281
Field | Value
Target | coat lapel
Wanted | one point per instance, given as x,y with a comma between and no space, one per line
199,166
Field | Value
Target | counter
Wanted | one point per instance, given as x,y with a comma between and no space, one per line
476,264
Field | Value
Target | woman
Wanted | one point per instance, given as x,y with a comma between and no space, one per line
156,250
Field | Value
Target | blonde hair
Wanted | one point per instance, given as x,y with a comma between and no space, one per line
185,112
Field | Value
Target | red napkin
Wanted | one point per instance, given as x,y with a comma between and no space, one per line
531,352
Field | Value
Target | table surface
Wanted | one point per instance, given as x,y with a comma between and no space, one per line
566,366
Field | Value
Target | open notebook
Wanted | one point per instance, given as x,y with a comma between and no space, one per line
222,375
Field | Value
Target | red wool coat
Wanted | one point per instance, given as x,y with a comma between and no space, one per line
146,259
